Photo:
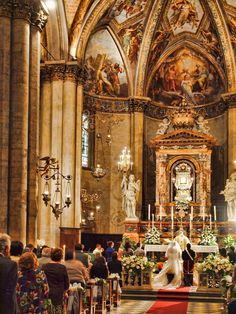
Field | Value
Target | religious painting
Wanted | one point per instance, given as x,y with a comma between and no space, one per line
105,67
125,9
185,15
231,2
185,74
131,41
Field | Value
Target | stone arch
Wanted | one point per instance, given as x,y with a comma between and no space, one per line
56,33
224,37
96,11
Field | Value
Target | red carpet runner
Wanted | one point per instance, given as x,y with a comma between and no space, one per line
171,307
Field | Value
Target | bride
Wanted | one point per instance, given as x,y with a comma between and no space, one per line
173,266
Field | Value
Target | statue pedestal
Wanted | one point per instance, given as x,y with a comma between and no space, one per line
132,228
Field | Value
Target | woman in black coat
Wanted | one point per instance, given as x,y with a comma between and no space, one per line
99,269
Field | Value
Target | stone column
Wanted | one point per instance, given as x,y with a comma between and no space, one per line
68,136
78,151
5,46
37,23
44,215
230,100
137,107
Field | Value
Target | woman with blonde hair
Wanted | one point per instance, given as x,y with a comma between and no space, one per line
32,287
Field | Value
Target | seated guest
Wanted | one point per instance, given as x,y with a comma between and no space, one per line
139,251
128,250
99,269
232,255
46,256
98,249
8,277
76,270
80,255
109,250
58,280
188,256
16,250
32,287
115,266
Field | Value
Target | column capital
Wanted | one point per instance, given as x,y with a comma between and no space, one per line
22,9
39,14
229,99
71,72
6,8
138,104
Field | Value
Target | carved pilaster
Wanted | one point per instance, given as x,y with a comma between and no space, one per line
22,9
6,8
71,72
39,15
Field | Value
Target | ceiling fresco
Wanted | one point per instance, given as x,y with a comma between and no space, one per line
185,74
185,15
164,49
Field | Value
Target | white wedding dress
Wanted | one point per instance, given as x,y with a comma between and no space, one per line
172,266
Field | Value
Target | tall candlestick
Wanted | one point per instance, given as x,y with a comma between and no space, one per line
214,213
160,212
172,217
149,211
203,213
64,251
210,222
152,220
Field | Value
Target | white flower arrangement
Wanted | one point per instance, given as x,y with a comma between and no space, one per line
40,242
215,265
114,276
76,287
152,236
134,264
208,237
228,241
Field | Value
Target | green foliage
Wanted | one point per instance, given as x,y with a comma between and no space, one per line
228,241
126,239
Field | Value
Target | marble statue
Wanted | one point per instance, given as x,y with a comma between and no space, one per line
163,126
182,240
230,196
130,188
202,125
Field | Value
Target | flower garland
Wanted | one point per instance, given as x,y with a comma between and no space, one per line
152,236
135,264
215,265
208,237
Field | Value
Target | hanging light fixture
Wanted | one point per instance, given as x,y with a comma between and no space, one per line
125,164
50,171
98,171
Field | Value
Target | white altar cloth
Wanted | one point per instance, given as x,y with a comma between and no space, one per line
196,248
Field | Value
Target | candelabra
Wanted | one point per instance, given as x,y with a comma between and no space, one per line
125,164
50,171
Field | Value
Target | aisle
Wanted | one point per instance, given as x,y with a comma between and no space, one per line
142,307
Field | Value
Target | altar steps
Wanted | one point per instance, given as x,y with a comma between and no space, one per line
211,296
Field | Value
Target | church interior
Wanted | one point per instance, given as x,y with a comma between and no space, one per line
117,122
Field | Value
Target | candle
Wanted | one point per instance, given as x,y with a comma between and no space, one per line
210,222
160,212
64,251
152,220
214,212
203,213
172,217
191,215
149,211
190,223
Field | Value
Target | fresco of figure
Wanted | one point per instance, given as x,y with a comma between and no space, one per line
184,11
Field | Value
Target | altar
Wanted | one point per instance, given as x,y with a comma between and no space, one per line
196,248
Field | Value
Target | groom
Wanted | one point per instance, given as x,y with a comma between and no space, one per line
188,256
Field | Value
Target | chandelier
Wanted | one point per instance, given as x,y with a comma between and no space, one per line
91,204
50,172
125,164
98,172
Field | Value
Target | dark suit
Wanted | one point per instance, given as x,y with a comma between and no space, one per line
8,280
188,265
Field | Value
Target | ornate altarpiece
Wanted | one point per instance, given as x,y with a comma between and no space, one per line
193,148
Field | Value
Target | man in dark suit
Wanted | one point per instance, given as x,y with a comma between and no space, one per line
80,255
8,277
188,256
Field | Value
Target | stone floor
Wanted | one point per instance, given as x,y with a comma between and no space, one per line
141,307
